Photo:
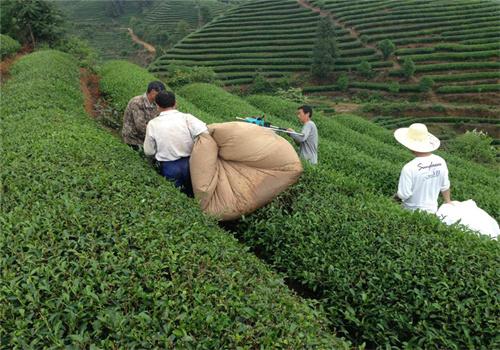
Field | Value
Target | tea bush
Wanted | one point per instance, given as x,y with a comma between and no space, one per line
386,276
8,46
413,303
98,251
368,159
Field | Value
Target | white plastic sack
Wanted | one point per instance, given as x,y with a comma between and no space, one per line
467,213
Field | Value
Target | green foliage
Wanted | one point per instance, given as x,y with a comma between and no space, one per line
32,21
121,80
80,49
394,277
260,84
178,75
451,66
8,46
387,47
425,84
466,76
365,69
206,14
154,34
275,105
394,87
98,251
292,94
474,145
388,278
325,49
391,87
408,68
343,82
111,82
455,56
457,89
182,29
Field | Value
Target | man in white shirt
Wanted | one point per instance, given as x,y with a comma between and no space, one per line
423,178
170,139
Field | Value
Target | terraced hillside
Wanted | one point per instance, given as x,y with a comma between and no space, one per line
275,37
454,42
105,256
168,13
93,21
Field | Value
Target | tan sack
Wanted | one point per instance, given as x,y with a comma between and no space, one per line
240,167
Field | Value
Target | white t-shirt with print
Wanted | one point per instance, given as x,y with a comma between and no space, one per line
421,181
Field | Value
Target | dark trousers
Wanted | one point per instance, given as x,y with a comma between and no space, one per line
177,171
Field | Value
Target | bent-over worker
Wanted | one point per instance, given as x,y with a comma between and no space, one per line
170,139
140,110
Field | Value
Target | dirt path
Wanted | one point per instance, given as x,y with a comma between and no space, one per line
150,48
89,84
343,107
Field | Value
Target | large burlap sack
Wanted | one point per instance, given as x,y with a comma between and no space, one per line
239,167
467,213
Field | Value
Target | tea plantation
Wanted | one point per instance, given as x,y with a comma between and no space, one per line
8,46
384,276
169,13
452,37
98,251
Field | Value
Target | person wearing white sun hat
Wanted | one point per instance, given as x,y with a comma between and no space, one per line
423,178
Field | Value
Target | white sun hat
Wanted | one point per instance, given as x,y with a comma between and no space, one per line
417,138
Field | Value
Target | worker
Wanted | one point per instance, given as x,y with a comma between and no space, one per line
140,110
170,138
424,177
308,141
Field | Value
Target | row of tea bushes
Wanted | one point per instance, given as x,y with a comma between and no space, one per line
98,251
387,277
8,46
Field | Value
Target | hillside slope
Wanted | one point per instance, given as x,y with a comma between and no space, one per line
456,42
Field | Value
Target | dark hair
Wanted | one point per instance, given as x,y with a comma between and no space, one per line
156,85
307,109
165,99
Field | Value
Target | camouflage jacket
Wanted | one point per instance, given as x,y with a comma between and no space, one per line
137,115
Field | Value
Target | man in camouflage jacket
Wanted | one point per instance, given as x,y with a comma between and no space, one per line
140,110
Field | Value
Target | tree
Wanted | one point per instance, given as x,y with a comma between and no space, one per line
365,69
31,21
387,47
182,29
115,8
325,49
260,84
394,87
343,82
205,14
425,84
408,68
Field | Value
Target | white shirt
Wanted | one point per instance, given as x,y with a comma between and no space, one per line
171,135
420,182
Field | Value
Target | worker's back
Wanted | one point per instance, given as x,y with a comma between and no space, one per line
421,181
